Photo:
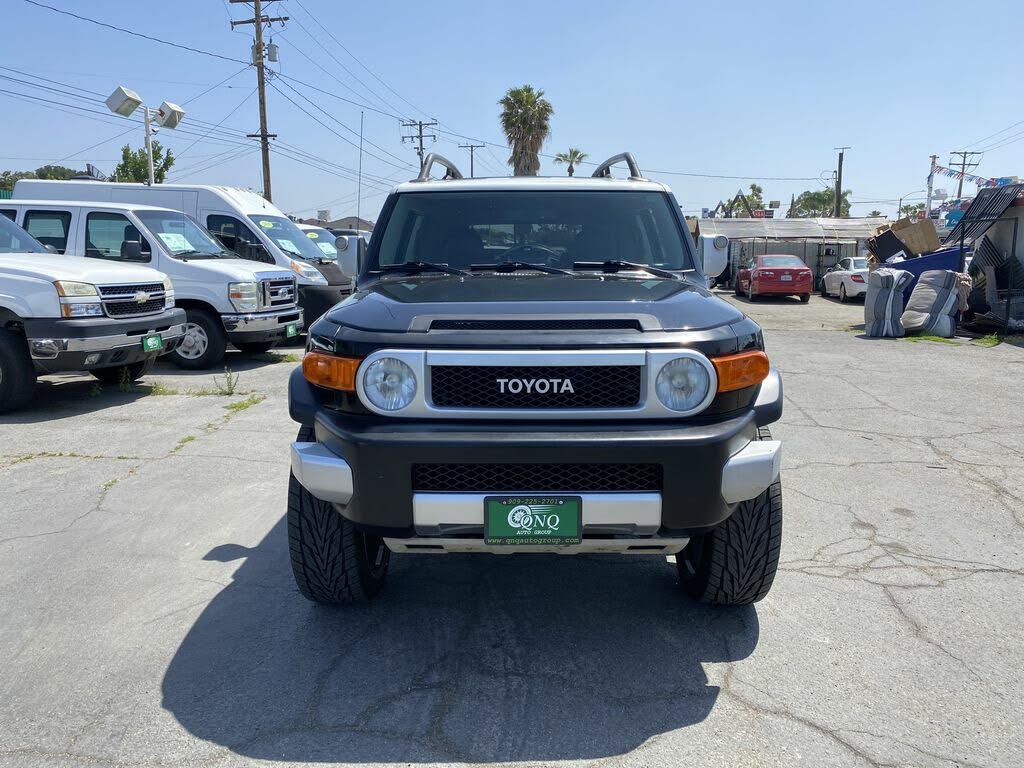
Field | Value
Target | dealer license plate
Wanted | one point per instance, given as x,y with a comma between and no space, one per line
787,278
154,342
291,330
524,520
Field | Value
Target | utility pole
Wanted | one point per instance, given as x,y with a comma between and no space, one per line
419,136
258,20
471,148
965,165
359,183
838,208
931,182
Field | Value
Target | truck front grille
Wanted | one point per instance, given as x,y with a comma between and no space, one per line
278,293
527,478
541,387
132,300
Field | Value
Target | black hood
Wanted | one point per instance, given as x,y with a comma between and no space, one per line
411,303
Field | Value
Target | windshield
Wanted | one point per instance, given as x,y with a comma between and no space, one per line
323,240
14,239
781,261
539,227
180,233
860,263
288,237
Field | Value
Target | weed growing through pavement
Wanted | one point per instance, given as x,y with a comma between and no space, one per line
991,340
931,337
229,385
160,390
241,405
125,385
109,484
271,357
96,389
182,443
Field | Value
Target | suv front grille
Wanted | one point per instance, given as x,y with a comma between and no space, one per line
553,324
486,386
528,478
278,293
123,300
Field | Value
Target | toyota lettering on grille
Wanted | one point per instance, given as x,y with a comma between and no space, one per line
540,386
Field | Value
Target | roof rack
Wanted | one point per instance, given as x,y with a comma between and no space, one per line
451,173
605,168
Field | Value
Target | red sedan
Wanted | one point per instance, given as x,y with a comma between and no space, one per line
775,275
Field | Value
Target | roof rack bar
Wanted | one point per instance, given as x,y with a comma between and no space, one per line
605,168
452,172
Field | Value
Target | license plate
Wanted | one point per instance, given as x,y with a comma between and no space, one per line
787,278
291,330
154,342
524,520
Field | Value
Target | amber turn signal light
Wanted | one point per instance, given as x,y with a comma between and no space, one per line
330,371
741,370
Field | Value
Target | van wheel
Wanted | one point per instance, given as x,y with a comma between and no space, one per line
17,375
333,562
204,341
255,347
124,374
735,562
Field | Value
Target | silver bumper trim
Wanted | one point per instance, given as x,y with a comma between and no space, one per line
639,514
261,321
749,471
441,546
97,343
321,472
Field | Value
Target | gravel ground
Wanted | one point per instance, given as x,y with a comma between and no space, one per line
148,615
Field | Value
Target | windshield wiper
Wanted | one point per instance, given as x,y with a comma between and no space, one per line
422,266
515,266
617,265
186,255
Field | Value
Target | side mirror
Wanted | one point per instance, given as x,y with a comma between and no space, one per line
714,262
228,241
50,249
350,260
341,243
131,250
255,252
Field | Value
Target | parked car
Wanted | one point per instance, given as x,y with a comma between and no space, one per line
241,219
774,274
61,313
593,398
252,305
848,279
322,239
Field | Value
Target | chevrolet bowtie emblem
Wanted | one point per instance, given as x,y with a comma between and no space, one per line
141,297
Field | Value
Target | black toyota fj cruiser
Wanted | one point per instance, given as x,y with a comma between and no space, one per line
534,364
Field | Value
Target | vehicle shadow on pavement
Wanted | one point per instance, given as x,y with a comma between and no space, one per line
61,396
463,658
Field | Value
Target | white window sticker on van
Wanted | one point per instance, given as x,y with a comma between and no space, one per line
327,248
175,242
287,245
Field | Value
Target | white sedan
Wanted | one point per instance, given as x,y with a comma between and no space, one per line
847,279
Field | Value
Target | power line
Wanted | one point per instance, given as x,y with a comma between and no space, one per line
965,165
418,136
472,150
212,87
229,114
1004,130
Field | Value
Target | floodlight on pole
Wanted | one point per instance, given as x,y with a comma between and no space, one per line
125,102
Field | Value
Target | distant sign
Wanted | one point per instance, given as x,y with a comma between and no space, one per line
759,214
704,212
773,203
769,214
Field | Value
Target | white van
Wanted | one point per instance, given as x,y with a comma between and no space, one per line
225,298
241,219
60,314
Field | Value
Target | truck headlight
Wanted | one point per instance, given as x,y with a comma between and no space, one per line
244,296
309,272
389,384
682,384
70,288
82,309
168,293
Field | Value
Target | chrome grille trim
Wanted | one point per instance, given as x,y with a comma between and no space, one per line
277,293
121,301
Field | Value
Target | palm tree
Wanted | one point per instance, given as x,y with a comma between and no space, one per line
526,121
573,157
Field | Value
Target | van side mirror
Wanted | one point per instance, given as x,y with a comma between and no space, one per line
254,252
341,243
131,250
228,241
350,260
714,262
50,249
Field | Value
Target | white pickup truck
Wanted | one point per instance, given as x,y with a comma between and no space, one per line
62,313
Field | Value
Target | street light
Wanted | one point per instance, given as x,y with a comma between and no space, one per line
900,209
124,101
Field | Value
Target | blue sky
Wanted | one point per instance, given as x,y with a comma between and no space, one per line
758,90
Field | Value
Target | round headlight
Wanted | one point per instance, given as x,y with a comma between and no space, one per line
682,384
389,384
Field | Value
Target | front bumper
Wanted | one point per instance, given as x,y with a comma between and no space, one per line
366,466
83,344
317,299
263,326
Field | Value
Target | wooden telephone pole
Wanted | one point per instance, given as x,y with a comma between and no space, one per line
258,20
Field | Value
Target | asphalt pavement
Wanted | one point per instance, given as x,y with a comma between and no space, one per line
148,615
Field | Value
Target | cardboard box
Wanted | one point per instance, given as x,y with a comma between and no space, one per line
919,236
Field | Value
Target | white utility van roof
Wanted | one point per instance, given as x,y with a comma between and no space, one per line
245,200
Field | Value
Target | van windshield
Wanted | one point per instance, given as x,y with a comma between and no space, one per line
181,235
288,237
323,240
14,239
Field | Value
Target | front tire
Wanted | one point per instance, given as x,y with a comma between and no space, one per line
17,374
804,298
842,293
333,562
735,562
123,374
823,289
204,342
751,296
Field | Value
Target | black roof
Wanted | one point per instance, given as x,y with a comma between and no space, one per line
984,211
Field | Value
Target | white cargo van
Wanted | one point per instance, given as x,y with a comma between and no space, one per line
61,314
225,298
241,219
